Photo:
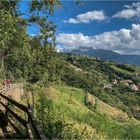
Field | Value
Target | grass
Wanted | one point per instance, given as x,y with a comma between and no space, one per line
113,112
66,93
83,115
71,102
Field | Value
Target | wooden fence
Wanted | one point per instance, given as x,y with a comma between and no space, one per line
32,127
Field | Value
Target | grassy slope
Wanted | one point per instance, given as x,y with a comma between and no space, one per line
122,70
102,73
72,102
114,113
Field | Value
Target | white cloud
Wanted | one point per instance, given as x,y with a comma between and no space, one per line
33,35
71,20
87,17
125,41
131,11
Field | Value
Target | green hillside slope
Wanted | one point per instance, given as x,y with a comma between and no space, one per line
77,119
93,99
115,84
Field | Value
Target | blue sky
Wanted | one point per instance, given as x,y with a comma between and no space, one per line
109,25
94,27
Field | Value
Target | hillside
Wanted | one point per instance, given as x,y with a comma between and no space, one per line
116,84
70,108
88,98
85,100
94,99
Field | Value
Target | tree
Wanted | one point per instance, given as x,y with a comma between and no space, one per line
17,48
12,35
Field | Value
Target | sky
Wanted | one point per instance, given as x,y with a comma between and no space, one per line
109,25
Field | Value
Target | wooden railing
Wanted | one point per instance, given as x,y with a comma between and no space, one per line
31,126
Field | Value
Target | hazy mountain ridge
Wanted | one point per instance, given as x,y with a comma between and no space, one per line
110,55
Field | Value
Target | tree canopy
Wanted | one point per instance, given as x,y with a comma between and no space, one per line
22,55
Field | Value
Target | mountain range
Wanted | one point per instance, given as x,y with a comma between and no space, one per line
110,55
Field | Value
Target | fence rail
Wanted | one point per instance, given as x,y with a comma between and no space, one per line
32,127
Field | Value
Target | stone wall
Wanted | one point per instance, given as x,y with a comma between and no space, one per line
14,92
